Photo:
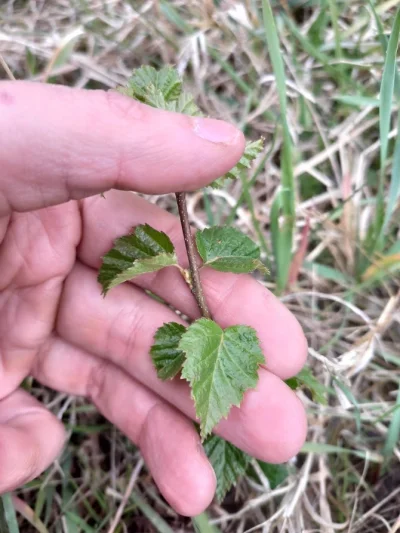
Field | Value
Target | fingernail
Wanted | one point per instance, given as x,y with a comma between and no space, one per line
215,131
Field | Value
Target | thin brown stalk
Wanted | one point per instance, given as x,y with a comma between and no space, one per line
197,288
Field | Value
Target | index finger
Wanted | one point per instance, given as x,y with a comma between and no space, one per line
59,143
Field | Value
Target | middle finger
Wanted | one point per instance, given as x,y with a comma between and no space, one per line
271,421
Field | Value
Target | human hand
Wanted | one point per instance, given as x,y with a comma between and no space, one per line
60,148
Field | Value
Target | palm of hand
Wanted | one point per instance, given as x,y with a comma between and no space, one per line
55,326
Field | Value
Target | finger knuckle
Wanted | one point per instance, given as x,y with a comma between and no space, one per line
221,296
124,331
97,382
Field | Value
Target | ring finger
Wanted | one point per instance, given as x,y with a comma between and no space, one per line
168,441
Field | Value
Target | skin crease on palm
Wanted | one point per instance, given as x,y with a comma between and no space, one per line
60,148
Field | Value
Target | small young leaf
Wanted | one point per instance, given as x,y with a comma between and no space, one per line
306,378
165,353
146,82
161,89
228,462
144,250
221,365
228,250
253,148
185,104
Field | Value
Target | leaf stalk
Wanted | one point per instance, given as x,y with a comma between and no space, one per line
197,287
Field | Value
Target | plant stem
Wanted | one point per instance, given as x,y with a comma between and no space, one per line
197,288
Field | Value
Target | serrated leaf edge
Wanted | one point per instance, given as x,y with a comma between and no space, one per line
147,260
204,435
258,264
156,334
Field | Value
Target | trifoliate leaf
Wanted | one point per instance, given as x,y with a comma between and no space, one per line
221,365
165,353
228,250
144,250
305,378
253,148
228,462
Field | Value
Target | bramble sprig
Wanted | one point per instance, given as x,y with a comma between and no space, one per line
219,364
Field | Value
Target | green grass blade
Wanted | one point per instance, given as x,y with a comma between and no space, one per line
272,38
244,87
394,249
350,396
357,100
283,236
173,16
394,187
385,113
202,524
256,224
387,89
310,49
79,522
379,26
384,44
208,208
336,30
159,523
322,448
393,434
8,517
327,272
228,68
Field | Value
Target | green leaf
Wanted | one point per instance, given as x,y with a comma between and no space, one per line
185,104
221,365
228,250
253,148
228,462
165,353
306,378
144,250
276,474
147,81
161,89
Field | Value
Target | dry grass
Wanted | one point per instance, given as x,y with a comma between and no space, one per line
347,478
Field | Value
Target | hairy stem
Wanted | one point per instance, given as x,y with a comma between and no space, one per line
197,288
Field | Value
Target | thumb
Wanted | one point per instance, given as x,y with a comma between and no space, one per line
30,439
59,143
